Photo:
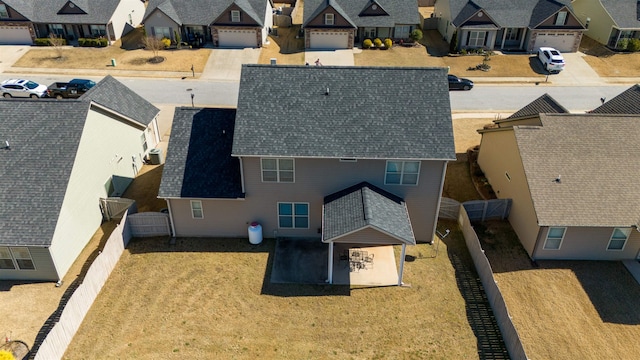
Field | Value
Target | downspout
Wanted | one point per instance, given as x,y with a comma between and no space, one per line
173,228
404,251
435,221
330,280
241,173
504,37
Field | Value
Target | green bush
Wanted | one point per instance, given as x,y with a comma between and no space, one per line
87,42
388,43
102,42
166,42
634,45
416,35
367,43
377,42
622,44
46,42
453,45
5,355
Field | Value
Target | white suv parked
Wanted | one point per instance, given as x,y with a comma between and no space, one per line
551,59
22,88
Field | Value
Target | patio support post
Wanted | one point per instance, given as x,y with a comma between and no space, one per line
330,279
522,36
404,251
504,37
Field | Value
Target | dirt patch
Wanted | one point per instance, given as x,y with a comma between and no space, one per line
286,48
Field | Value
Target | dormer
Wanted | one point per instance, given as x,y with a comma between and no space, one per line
373,8
71,8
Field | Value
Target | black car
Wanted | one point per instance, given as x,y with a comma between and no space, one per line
456,83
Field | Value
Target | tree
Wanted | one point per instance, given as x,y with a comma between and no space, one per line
153,44
416,35
453,45
57,42
178,38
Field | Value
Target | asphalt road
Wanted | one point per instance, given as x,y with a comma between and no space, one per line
482,98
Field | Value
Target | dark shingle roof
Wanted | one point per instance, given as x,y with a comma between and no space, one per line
363,206
400,11
44,137
626,13
508,13
627,102
97,11
369,112
595,157
542,105
116,96
199,162
204,12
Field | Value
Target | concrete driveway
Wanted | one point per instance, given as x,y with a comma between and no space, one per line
576,72
225,64
342,57
9,54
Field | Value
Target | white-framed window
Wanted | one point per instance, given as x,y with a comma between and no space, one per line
3,13
561,18
554,238
476,38
329,19
402,172
402,31
235,15
196,209
101,30
21,256
143,140
6,260
292,215
277,170
618,239
56,29
162,32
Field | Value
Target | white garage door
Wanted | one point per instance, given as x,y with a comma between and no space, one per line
329,40
561,41
15,35
237,38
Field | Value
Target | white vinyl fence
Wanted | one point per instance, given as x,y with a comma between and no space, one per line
483,267
56,342
477,210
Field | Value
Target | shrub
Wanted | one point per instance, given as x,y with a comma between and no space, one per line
463,51
634,45
5,355
166,42
178,38
453,45
102,42
416,35
388,43
87,42
622,44
367,43
377,42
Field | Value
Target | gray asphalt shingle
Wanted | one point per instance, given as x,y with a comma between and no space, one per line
116,96
627,102
363,206
545,104
508,13
205,12
402,12
595,157
199,162
38,11
43,137
368,112
626,13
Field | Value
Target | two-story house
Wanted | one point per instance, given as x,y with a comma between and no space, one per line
357,154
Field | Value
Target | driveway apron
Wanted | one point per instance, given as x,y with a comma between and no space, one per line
342,57
226,64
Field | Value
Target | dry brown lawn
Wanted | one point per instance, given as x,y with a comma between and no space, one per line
565,309
211,298
608,63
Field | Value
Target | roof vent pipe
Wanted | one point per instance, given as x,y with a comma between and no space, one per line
327,92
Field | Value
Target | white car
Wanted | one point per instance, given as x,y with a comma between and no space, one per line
22,88
551,59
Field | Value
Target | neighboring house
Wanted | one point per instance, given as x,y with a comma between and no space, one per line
345,145
627,102
340,24
228,23
517,25
529,115
21,21
57,159
572,181
610,21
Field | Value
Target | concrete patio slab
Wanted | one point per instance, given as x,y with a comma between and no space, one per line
225,64
343,57
382,270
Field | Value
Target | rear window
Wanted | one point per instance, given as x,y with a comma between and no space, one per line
555,53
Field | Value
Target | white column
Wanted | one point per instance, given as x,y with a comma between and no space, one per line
404,251
330,279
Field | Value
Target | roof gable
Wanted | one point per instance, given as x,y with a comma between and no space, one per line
205,12
360,13
627,102
245,10
373,8
71,8
545,104
508,13
338,112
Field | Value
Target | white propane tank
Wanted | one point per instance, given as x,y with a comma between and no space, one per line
255,233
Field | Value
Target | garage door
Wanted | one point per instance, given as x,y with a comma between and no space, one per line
561,41
329,40
15,35
237,38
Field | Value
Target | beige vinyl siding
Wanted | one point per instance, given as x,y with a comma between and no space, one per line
534,121
103,137
588,243
442,11
45,270
314,179
499,154
120,18
601,22
159,19
368,236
